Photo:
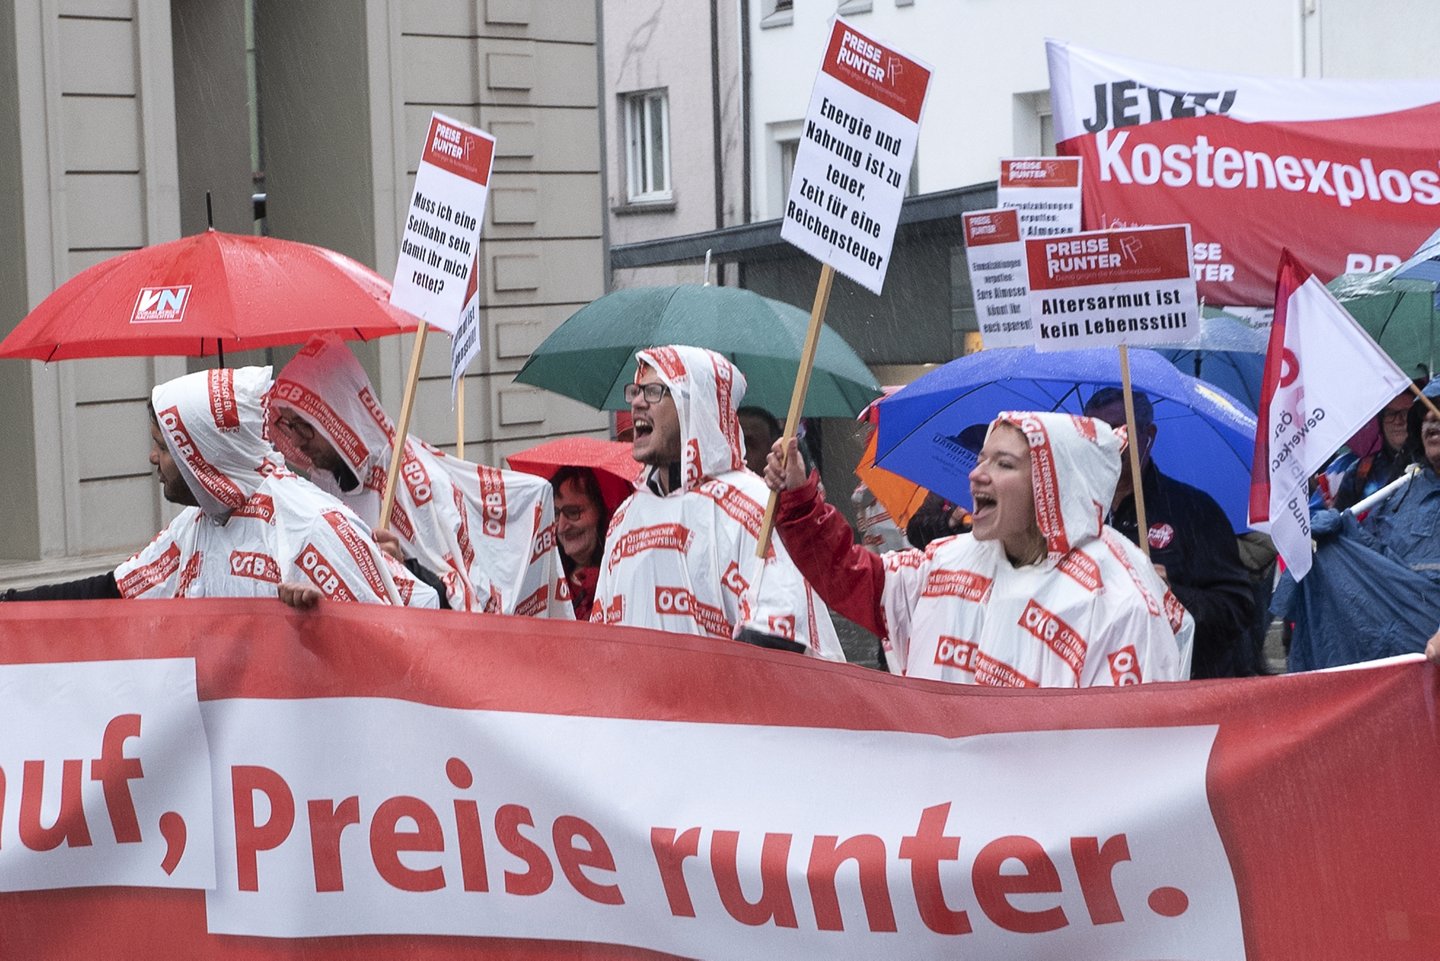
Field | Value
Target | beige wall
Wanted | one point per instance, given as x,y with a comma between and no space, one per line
110,109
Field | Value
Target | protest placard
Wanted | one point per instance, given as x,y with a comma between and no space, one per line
442,224
1044,190
854,155
995,257
1111,287
468,338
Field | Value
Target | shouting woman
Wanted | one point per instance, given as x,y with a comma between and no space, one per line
1040,593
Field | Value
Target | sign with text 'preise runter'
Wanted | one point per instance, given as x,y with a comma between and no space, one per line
854,155
442,224
1046,192
1110,287
995,256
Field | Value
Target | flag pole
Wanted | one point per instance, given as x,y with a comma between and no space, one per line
460,418
402,429
797,398
1142,529
1420,396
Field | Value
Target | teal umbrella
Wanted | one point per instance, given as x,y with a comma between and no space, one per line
591,357
1399,313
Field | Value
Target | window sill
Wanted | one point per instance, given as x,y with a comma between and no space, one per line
780,18
855,6
643,207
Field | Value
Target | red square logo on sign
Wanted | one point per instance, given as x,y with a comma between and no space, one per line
160,305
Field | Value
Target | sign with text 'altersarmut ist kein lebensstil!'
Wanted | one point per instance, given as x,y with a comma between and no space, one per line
1111,287
854,155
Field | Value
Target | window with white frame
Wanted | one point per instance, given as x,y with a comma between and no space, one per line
647,146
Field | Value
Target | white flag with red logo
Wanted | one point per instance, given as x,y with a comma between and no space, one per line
1324,379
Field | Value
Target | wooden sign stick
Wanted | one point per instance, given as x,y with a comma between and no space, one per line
460,418
797,398
1142,528
402,429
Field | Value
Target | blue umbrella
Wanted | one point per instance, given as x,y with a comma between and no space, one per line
1204,437
1228,353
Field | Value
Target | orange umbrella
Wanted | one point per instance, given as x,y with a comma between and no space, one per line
900,497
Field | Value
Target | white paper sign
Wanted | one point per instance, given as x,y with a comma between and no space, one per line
442,224
469,337
995,257
1045,191
854,155
375,816
104,777
1109,287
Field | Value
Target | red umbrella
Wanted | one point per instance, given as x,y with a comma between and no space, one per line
205,293
614,468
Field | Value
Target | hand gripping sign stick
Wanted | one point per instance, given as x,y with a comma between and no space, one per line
849,181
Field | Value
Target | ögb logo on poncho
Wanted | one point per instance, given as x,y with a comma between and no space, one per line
322,573
253,564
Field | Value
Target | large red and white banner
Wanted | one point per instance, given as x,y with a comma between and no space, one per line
389,782
1345,173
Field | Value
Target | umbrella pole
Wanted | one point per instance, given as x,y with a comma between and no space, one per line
1142,529
797,398
460,418
402,429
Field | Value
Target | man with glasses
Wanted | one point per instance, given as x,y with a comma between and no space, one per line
488,534
681,551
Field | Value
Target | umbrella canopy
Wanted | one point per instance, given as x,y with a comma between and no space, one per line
1398,312
901,498
1228,353
614,468
209,291
1204,438
591,357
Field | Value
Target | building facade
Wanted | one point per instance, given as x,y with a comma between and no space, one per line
118,116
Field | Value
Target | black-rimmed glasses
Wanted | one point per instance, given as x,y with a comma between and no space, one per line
653,393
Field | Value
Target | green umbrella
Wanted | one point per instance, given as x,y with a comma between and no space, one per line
591,357
1398,313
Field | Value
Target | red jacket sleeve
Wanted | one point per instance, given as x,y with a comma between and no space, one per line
848,577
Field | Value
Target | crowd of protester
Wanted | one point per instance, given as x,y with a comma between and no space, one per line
1039,583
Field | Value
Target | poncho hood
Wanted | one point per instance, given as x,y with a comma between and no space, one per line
326,385
707,390
1074,466
216,426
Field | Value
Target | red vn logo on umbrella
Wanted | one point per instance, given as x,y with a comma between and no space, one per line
160,305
